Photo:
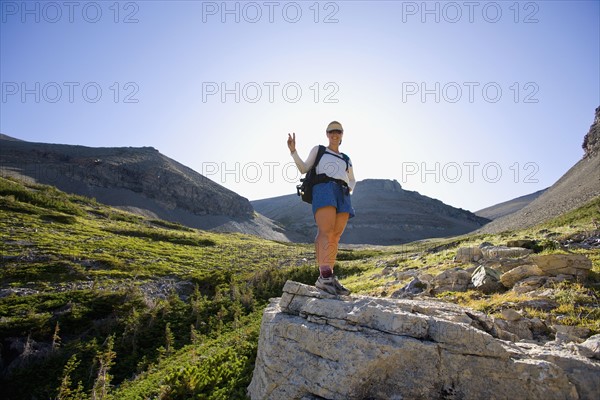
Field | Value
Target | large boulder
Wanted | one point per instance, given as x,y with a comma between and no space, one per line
511,277
451,280
468,254
486,280
563,264
490,252
314,345
505,264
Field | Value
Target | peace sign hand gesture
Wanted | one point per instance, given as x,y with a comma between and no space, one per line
291,142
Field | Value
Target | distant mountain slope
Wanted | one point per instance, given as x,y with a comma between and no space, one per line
508,207
385,214
579,185
140,180
6,137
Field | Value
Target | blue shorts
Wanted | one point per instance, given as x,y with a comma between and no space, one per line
331,194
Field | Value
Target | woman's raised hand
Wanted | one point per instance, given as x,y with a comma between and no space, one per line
291,142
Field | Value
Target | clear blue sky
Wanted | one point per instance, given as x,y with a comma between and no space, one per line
472,103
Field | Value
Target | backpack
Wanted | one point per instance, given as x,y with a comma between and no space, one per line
304,190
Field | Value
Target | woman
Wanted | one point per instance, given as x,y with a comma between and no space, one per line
331,202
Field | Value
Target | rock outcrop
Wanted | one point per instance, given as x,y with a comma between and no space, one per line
489,268
591,141
515,267
316,346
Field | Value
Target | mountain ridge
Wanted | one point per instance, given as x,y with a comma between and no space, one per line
508,207
137,179
385,214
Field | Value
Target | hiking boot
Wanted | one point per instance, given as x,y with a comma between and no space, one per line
332,286
326,285
339,288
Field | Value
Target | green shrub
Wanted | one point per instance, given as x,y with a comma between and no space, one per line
60,218
39,195
170,237
170,225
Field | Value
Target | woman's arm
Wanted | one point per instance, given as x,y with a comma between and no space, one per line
304,166
351,179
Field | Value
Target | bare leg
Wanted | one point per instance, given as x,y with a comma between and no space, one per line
331,226
341,220
325,245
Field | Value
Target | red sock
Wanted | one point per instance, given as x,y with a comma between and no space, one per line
326,271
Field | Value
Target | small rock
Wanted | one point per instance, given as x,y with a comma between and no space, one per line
510,314
402,275
539,304
414,287
529,284
388,270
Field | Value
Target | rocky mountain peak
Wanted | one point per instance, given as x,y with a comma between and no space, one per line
381,185
591,141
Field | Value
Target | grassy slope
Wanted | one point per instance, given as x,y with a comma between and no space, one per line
90,271
94,272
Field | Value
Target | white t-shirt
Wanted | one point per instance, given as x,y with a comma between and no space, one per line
330,165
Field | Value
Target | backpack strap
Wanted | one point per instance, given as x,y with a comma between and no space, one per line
347,159
343,157
320,153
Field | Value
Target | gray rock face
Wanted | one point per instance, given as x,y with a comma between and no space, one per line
591,141
314,345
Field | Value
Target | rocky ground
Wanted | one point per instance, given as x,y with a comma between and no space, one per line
314,346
